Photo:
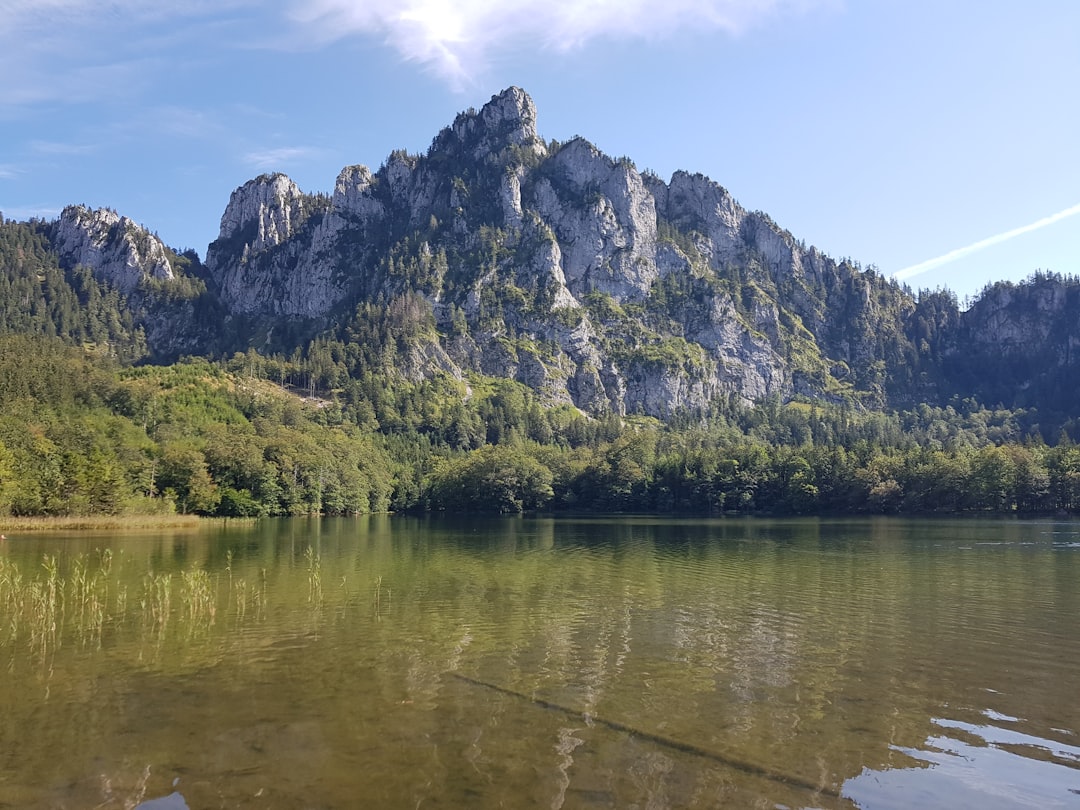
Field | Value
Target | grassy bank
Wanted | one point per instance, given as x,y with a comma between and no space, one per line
9,525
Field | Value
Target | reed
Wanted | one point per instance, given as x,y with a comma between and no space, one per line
156,600
377,597
198,598
240,594
314,564
77,597
121,601
261,594
11,593
9,525
40,607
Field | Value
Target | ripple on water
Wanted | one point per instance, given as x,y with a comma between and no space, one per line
989,767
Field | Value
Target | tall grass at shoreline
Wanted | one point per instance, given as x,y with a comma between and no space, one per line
82,597
9,525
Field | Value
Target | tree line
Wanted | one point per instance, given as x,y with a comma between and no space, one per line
83,433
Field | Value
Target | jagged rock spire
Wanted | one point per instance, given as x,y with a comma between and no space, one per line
508,119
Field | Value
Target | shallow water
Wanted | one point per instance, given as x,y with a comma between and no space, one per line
396,662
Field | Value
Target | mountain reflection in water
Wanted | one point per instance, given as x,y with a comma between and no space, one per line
548,663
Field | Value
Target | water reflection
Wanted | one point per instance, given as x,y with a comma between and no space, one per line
988,766
549,663
174,801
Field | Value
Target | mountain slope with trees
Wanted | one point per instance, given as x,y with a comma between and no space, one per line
518,317
81,433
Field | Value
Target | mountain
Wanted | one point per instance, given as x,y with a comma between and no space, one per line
497,254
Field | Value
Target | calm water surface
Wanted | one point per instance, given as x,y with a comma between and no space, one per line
649,663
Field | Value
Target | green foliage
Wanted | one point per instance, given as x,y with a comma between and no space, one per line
673,353
355,414
37,297
503,478
683,240
86,438
602,307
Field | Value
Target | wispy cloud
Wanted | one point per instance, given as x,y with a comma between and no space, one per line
982,244
33,77
457,38
280,156
25,14
86,51
61,148
7,171
173,121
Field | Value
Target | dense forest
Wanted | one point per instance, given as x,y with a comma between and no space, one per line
82,432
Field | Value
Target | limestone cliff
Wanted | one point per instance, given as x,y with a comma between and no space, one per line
163,298
1019,345
270,254
555,265
115,248
553,246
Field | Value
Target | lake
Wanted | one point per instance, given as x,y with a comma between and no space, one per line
401,662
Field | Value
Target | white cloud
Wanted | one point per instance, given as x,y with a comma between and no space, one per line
982,244
7,171
88,50
456,38
272,159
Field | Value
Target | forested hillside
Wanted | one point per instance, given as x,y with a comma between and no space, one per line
38,298
81,433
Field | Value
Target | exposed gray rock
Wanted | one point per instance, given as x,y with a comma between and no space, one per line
696,203
604,219
264,211
116,249
274,252
566,270
510,196
508,120
576,223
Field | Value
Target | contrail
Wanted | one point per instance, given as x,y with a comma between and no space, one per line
959,253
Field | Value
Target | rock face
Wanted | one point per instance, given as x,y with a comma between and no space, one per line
263,212
165,300
115,248
272,255
508,120
551,253
605,219
1019,344
562,268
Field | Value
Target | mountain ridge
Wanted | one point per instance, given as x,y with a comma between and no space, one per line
496,253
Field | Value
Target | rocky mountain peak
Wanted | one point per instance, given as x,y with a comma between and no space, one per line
571,272
263,212
507,120
694,202
115,248
352,191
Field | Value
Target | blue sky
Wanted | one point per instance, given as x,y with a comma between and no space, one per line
892,132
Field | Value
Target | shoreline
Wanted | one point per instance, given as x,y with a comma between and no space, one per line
97,522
